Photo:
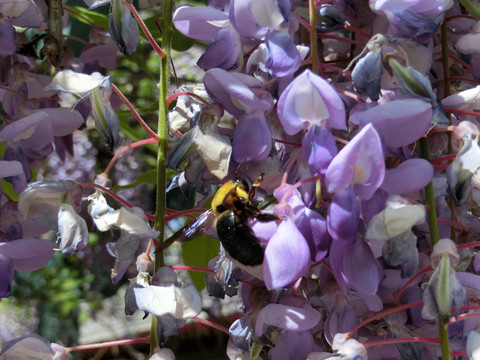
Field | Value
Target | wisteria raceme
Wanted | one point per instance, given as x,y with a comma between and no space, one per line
332,149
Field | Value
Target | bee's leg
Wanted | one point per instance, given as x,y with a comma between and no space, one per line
255,185
266,217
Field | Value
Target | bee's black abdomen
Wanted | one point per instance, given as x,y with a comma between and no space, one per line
238,240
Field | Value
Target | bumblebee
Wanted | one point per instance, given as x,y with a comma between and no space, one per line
231,207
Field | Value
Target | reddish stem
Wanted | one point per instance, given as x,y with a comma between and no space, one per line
287,142
147,32
16,93
382,314
461,78
460,111
186,213
458,226
125,149
180,93
191,268
108,344
407,284
357,31
135,113
443,159
468,245
400,341
211,324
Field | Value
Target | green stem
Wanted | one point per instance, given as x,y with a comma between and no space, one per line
163,85
430,197
471,8
434,237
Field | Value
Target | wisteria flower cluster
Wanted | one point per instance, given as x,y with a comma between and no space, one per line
332,148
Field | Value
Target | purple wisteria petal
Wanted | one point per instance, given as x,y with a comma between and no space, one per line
310,100
318,148
253,18
7,34
341,318
253,127
411,175
314,228
25,13
27,254
359,164
343,216
286,317
7,269
282,58
199,22
223,52
432,7
360,268
12,171
292,345
36,124
286,243
399,122
235,92
64,121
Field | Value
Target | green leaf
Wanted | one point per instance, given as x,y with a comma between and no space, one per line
89,17
8,190
180,42
149,177
255,351
199,252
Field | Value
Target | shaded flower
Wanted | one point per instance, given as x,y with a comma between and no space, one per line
123,26
168,296
132,220
12,171
41,200
72,229
106,120
443,290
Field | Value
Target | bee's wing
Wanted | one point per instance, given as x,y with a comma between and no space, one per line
190,231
